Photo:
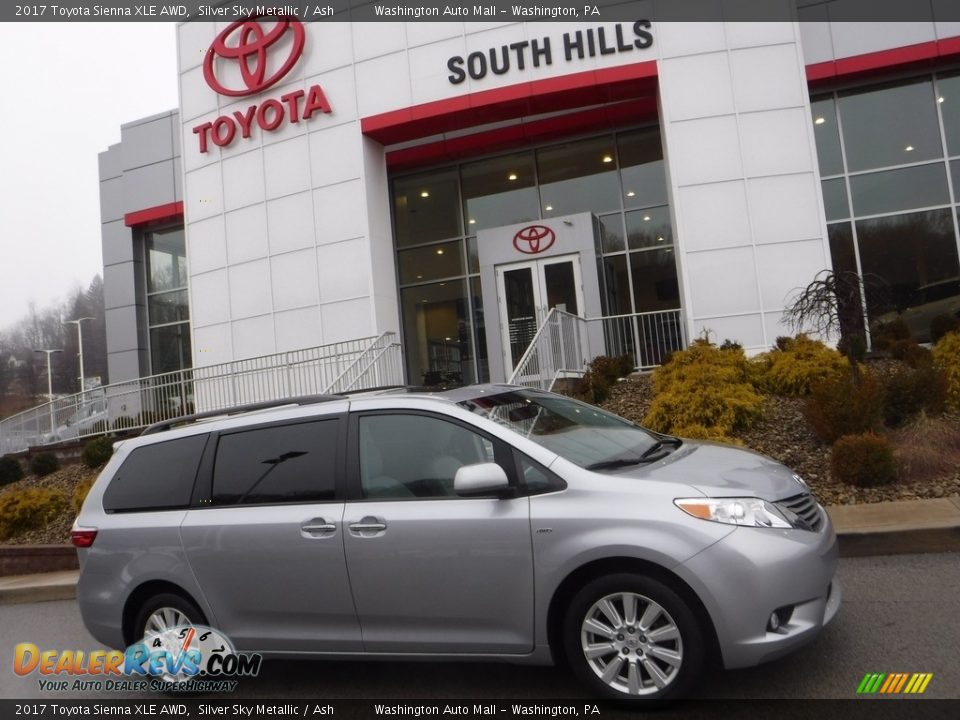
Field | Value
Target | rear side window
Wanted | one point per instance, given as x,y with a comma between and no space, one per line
278,464
156,477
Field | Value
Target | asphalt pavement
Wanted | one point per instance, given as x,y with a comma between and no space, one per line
899,614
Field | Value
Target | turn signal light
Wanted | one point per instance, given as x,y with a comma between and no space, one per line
83,538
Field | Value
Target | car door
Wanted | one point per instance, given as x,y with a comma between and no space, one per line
432,572
266,545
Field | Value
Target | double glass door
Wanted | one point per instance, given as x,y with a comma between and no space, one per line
526,292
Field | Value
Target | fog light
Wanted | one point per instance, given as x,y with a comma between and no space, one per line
773,624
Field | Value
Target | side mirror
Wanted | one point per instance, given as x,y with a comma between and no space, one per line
480,479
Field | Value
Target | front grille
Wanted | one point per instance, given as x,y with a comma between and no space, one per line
804,507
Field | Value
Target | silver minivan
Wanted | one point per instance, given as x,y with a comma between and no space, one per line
486,522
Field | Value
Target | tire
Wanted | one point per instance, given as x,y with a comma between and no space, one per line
640,666
187,610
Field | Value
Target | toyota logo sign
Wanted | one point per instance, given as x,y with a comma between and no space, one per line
250,53
534,239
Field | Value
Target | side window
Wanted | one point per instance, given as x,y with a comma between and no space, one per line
408,456
535,478
278,464
156,477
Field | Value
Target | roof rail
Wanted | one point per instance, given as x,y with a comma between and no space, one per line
238,410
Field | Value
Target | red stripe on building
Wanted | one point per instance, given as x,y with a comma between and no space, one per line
921,56
160,213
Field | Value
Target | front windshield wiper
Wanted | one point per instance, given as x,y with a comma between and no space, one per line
651,454
615,463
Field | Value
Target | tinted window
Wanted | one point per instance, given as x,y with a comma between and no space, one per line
536,478
156,477
407,456
280,464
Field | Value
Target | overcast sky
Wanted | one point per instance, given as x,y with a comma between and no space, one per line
66,89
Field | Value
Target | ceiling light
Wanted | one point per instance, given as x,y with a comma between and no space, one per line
908,148
659,239
512,176
448,339
819,121
607,158
440,251
548,208
419,277
425,193
646,218
472,221
631,193
940,99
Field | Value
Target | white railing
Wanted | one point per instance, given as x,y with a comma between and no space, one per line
559,347
562,345
647,337
335,368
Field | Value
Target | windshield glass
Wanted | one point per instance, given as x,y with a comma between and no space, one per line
581,433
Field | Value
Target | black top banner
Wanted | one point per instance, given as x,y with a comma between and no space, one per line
926,11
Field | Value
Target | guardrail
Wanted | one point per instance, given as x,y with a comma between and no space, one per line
562,344
338,367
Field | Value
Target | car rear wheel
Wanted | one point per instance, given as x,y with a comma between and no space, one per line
164,612
630,637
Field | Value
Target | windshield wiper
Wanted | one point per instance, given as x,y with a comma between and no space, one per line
615,463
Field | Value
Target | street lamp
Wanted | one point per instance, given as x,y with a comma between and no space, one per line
79,343
49,384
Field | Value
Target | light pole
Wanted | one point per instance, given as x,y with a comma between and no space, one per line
49,384
79,344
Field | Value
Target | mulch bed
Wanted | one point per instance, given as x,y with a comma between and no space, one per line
65,480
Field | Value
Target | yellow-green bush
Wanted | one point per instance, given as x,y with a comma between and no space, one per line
797,365
865,460
839,406
704,390
80,494
22,510
946,357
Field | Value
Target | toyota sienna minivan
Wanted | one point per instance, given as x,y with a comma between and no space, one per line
486,522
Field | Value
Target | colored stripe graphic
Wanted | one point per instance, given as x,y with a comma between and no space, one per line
894,683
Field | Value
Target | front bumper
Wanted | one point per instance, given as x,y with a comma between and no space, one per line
750,573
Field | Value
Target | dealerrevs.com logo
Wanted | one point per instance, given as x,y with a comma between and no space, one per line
248,57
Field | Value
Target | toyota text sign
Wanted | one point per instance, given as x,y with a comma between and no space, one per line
263,54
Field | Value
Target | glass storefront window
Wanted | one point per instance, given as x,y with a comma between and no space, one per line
168,307
431,262
578,177
824,114
437,332
168,310
617,285
649,228
166,260
894,124
903,189
170,348
479,330
841,247
948,98
835,202
655,284
611,233
642,173
499,191
426,207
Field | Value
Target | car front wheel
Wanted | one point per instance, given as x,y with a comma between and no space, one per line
630,637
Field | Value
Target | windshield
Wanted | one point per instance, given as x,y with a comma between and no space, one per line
581,433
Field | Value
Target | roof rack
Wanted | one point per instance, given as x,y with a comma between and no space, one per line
239,410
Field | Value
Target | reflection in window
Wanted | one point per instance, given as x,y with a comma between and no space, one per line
642,171
611,233
499,191
824,114
439,345
649,228
431,262
904,189
655,284
425,207
166,260
168,310
578,177
948,98
835,203
890,125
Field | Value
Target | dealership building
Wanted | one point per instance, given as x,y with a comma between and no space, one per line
449,183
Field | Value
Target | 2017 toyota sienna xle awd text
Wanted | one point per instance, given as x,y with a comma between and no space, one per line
487,522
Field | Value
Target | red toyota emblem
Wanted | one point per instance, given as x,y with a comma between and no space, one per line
534,239
250,52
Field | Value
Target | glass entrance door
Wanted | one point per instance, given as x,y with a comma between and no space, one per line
526,292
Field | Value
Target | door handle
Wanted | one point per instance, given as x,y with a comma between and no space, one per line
317,527
368,526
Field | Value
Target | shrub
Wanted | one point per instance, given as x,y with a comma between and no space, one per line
910,352
704,387
602,372
97,452
941,325
839,406
99,427
80,494
22,510
927,448
10,470
798,365
908,392
864,460
123,422
885,334
946,357
43,464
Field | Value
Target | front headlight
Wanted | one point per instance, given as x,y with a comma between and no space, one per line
749,512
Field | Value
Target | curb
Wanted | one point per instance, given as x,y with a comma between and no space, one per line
43,587
899,542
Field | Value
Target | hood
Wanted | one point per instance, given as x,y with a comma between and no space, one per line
718,470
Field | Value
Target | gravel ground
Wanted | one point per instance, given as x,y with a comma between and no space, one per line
784,435
64,480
